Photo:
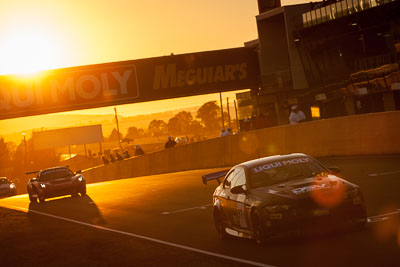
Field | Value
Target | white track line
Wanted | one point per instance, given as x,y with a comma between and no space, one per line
144,237
386,214
363,157
383,173
194,208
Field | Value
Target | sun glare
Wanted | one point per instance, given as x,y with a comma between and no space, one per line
28,50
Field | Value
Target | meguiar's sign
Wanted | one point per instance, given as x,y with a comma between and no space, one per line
128,82
167,76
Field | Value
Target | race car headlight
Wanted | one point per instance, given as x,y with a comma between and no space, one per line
277,208
352,193
80,178
12,186
42,185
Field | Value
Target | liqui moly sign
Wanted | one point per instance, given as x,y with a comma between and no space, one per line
59,90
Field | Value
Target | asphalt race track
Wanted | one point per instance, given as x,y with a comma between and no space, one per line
166,220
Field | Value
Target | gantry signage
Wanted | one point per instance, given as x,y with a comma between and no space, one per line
128,82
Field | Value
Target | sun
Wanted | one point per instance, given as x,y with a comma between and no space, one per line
28,49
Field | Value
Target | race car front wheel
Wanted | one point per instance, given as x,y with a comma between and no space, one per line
83,191
260,235
32,199
41,199
219,225
360,221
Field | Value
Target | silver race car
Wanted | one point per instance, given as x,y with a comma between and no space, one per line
283,194
7,187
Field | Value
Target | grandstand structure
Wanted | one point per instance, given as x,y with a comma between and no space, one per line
337,57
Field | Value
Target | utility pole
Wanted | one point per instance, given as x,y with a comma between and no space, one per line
26,152
229,114
222,110
236,113
116,120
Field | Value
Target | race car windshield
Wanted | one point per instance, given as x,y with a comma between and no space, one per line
285,170
54,174
3,181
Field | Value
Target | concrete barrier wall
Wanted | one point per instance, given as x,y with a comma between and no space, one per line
368,134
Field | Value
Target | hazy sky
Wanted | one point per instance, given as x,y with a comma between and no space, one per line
45,34
51,34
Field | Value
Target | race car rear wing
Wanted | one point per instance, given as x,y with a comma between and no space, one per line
214,176
34,172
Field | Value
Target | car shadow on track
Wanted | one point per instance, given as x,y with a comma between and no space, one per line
298,240
81,209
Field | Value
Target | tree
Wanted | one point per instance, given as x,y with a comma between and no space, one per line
157,127
5,154
19,159
114,135
134,133
196,128
174,126
27,158
208,115
185,118
180,123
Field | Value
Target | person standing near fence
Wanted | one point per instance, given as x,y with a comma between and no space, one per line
296,115
139,151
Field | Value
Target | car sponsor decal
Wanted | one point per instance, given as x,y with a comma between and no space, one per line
222,194
307,189
241,214
241,197
280,164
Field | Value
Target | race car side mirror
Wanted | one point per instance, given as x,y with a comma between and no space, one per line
334,170
238,190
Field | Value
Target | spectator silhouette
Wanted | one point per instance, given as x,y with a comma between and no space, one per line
112,159
119,157
139,151
126,155
105,161
225,133
296,115
170,143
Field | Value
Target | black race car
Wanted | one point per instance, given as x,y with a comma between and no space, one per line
7,187
284,194
54,182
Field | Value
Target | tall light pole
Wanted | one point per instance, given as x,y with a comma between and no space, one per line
26,153
229,114
236,113
222,110
116,119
